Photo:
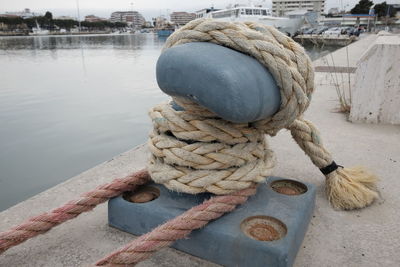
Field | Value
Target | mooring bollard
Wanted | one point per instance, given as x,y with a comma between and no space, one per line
268,229
231,84
210,139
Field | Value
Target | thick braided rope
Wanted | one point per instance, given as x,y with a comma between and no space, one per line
308,138
194,154
283,57
180,227
44,222
287,62
347,188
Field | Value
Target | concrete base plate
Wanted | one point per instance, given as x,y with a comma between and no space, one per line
265,231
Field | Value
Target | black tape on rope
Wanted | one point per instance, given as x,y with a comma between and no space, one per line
330,168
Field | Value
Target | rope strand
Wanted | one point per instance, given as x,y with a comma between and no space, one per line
44,222
180,227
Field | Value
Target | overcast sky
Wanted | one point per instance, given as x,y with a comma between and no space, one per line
149,8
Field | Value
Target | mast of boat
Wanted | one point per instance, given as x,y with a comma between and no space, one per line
132,26
37,25
79,16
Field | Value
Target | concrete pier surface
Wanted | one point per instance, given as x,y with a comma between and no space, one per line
367,237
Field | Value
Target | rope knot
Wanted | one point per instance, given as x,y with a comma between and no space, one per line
195,151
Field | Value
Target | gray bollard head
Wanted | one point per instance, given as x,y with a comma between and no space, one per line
231,84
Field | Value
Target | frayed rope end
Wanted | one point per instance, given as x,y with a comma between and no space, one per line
351,188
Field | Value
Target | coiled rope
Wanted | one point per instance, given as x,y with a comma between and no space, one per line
193,154
195,151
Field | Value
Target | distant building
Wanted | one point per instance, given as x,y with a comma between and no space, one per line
181,18
347,20
148,24
281,7
300,13
333,11
93,18
65,18
397,7
160,22
9,16
132,18
202,13
26,13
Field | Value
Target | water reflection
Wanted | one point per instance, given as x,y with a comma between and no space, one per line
126,42
68,103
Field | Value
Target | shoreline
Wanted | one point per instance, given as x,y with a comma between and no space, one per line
68,34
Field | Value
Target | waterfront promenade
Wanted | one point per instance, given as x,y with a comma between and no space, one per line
367,237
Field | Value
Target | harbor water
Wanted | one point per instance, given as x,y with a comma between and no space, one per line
68,103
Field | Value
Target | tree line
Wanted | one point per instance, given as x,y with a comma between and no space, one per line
47,22
381,10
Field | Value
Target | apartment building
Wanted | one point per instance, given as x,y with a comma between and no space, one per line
181,18
281,7
132,18
93,18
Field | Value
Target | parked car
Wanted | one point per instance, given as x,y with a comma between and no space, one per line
347,30
333,31
320,30
309,31
354,31
300,31
304,30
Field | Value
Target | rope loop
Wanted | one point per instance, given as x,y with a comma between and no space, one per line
284,58
195,154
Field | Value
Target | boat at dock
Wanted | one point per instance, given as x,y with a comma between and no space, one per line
254,13
39,31
164,32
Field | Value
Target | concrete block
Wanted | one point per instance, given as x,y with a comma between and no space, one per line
231,84
266,231
376,93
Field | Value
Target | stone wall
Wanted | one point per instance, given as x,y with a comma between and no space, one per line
376,93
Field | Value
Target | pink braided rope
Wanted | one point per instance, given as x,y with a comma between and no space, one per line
164,235
44,222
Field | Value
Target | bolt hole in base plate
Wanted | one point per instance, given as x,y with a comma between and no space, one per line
142,195
289,187
263,228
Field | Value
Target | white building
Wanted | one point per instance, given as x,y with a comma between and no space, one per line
333,11
181,18
160,22
93,18
132,18
281,7
65,18
26,13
